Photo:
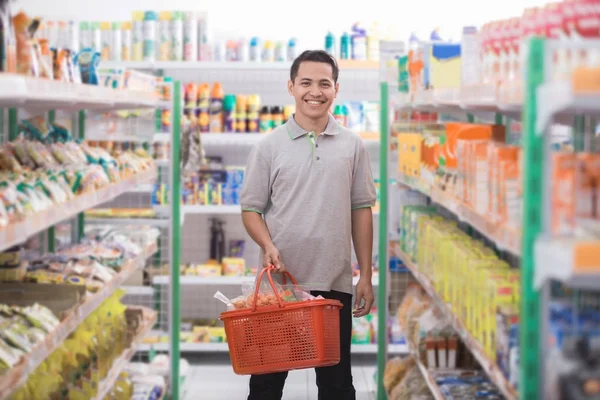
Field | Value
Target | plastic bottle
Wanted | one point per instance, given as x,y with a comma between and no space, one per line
241,114
164,36
190,100
268,52
190,37
96,37
219,51
266,122
288,112
229,113
373,39
345,47
150,19
63,35
137,36
339,113
204,107
292,50
330,44
253,113
85,35
277,116
230,51
177,36
359,43
280,55
105,48
242,50
216,108
204,53
254,50
117,42
126,41
73,36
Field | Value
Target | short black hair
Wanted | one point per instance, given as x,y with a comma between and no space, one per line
315,56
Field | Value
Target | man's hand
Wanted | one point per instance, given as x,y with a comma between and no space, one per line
364,298
272,257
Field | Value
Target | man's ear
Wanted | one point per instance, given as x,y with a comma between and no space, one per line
337,88
290,87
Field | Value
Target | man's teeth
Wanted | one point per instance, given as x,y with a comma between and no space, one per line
313,102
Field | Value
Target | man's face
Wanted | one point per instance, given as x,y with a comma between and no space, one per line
313,89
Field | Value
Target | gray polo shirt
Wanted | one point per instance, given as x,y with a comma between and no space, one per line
306,187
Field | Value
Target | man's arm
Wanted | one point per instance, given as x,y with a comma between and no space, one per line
362,236
258,231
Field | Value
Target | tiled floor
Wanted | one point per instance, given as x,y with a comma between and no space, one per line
212,378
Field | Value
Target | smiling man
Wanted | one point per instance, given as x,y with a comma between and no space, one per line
307,196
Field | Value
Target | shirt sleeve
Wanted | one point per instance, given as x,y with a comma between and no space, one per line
363,185
256,190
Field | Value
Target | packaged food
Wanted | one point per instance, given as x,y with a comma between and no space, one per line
8,47
88,60
25,53
395,370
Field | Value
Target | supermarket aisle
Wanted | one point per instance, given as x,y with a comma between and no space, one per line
214,379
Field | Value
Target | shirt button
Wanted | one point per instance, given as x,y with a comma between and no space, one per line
318,158
316,145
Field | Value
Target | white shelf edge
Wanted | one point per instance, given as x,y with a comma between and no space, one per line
157,222
224,280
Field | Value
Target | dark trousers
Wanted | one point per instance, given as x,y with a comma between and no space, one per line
333,382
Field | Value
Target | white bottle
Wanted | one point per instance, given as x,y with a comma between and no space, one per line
203,53
242,50
164,36
190,37
73,35
177,36
117,42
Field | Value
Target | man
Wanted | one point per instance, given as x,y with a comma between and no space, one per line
308,193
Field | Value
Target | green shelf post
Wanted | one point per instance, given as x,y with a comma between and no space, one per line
498,119
51,232
175,203
579,133
81,216
533,181
384,124
13,124
470,118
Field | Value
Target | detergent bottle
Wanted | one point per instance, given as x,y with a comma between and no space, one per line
203,107
216,108
359,43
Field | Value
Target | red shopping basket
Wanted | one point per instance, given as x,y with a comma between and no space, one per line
283,337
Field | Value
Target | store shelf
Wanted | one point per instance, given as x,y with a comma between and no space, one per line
198,209
488,365
121,138
150,318
16,377
157,222
223,348
234,66
575,262
46,94
224,280
18,232
504,237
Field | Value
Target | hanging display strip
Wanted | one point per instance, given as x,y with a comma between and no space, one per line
490,367
505,237
17,376
46,94
150,318
18,232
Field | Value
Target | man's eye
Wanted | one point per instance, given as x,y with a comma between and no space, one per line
305,84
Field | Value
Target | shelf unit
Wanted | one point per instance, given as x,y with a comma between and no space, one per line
47,97
542,100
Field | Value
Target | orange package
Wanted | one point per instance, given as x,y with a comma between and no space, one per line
563,193
587,176
25,51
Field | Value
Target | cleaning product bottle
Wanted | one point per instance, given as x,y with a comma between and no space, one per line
359,43
105,51
137,36
253,113
280,51
241,114
229,113
345,47
190,37
164,36
339,113
276,117
254,50
288,112
150,19
190,100
373,38
265,120
268,53
85,35
216,108
96,37
126,42
292,49
117,42
214,239
177,36
203,107
330,44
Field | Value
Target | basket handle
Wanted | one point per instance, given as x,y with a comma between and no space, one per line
268,271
